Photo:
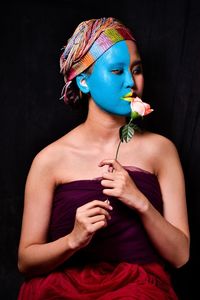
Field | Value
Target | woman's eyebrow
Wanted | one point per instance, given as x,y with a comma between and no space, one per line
137,62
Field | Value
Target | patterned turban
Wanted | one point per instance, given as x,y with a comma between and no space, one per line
88,42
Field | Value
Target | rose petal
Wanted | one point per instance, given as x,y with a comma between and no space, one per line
138,107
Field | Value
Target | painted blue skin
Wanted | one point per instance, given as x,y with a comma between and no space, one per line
110,80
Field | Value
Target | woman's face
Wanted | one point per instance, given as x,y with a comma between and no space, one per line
116,78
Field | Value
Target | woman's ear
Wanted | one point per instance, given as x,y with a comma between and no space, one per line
82,83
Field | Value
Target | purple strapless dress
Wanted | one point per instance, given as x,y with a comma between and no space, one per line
119,263
124,239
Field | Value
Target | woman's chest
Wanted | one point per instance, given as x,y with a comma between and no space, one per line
86,165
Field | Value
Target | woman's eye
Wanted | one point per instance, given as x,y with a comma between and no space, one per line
137,70
117,71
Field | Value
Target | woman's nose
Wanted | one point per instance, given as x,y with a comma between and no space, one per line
130,80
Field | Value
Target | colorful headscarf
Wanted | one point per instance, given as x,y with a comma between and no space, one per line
88,42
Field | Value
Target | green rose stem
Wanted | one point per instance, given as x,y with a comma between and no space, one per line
138,110
126,133
116,155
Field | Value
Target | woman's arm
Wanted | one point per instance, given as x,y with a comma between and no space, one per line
169,233
36,255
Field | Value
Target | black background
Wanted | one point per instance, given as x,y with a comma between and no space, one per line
32,116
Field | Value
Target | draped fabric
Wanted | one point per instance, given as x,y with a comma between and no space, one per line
89,41
124,233
133,271
103,281
91,38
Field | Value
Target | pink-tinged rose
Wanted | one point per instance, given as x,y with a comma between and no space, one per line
139,108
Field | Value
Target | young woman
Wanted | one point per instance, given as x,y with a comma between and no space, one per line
96,227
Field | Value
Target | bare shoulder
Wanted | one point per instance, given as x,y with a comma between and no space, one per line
54,152
157,143
160,149
45,160
52,158
49,155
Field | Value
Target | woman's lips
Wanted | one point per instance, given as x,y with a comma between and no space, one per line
129,97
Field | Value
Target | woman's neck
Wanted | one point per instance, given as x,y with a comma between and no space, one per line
101,126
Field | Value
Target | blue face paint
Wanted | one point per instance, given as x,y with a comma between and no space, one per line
111,80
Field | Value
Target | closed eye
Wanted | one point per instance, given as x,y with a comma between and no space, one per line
117,71
137,70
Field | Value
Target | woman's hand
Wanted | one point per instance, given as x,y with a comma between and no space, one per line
89,218
119,184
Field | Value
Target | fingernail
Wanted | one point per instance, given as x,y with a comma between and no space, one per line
110,169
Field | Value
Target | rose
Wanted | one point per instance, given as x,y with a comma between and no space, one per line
139,108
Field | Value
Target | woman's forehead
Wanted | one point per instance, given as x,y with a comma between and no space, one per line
123,52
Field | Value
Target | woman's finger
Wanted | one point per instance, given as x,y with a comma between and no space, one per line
114,164
96,211
96,203
99,218
109,192
108,183
98,225
108,176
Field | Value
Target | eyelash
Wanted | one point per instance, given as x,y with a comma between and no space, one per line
117,71
137,70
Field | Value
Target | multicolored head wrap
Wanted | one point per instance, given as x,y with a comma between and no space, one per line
88,42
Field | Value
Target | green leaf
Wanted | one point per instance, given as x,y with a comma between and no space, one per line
126,132
135,127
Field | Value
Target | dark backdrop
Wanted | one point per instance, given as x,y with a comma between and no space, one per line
32,116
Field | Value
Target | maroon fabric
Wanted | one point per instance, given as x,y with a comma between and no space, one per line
124,233
120,262
101,282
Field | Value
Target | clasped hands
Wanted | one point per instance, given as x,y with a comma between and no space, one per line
95,214
117,183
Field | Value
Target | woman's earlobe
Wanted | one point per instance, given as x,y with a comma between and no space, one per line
82,83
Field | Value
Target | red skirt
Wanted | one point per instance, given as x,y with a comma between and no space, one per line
103,282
